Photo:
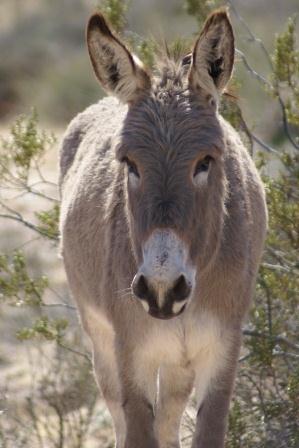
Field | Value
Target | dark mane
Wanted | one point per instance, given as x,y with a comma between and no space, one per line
172,65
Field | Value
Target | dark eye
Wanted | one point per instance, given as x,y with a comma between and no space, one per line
132,168
203,165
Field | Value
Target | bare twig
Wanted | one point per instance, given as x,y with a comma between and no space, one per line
18,183
251,70
21,246
30,190
42,177
16,216
252,37
261,78
263,144
21,220
27,190
285,354
60,304
76,352
276,267
277,339
279,256
34,419
245,357
252,137
57,305
285,121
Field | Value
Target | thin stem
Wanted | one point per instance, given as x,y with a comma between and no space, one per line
26,223
16,216
258,41
76,352
42,177
278,339
253,72
276,267
41,195
57,305
263,144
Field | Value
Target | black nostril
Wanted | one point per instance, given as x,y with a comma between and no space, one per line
140,287
181,289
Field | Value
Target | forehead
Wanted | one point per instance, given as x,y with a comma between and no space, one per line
167,125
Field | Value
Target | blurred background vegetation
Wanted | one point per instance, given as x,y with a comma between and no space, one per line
48,396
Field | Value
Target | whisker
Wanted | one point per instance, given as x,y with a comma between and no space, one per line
125,295
122,290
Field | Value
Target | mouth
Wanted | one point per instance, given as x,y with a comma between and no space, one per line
158,314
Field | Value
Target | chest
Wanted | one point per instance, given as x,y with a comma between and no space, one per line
191,340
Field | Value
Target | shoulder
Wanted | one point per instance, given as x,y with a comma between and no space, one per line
100,118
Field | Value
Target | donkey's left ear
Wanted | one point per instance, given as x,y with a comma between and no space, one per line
213,55
118,71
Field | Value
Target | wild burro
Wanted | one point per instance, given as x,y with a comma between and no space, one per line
163,221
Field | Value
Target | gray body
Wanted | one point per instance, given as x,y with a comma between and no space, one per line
151,348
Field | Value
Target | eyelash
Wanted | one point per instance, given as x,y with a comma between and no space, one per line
203,165
132,168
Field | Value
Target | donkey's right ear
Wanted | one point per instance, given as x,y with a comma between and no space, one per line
118,71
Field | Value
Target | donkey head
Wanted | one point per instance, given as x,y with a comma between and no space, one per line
172,148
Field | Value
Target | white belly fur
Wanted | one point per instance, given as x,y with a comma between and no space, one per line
199,342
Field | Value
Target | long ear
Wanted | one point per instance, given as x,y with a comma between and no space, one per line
118,71
213,55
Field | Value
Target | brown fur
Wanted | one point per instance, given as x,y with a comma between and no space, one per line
171,123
